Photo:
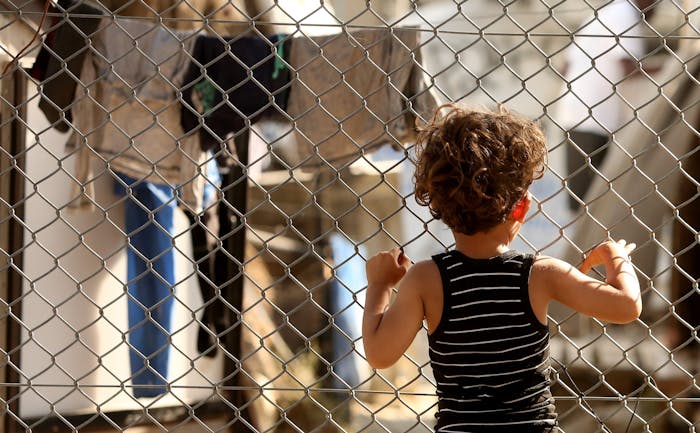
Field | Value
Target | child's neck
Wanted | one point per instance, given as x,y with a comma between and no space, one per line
484,245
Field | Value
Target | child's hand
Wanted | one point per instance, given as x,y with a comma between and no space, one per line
385,269
605,253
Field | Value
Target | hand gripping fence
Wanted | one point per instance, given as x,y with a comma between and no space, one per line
190,189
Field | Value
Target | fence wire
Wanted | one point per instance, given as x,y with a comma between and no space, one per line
190,190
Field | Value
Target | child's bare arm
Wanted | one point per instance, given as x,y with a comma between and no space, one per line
617,300
388,330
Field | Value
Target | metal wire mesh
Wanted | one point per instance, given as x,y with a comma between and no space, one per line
190,190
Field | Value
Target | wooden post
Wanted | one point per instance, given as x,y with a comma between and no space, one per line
13,89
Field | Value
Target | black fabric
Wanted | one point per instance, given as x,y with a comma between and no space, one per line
211,233
41,63
226,94
68,43
490,354
211,262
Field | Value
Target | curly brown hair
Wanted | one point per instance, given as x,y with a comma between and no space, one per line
473,167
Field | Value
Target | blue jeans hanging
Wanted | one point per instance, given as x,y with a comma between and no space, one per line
149,210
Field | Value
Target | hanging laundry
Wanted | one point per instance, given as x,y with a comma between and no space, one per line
204,232
150,229
213,258
127,118
66,45
210,261
126,112
354,92
231,83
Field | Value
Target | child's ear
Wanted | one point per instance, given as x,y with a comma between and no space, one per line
521,208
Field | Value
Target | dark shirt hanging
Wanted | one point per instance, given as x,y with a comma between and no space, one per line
233,80
67,43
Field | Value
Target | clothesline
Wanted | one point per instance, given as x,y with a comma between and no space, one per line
352,27
422,13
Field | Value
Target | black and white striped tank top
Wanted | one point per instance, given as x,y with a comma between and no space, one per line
490,354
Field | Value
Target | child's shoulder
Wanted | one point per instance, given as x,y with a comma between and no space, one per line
423,275
424,268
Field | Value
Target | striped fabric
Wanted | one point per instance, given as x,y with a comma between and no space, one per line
490,354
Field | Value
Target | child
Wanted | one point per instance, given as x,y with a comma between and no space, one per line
485,306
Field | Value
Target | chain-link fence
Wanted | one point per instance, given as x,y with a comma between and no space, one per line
190,190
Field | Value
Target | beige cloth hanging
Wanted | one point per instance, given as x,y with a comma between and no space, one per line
127,116
353,92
